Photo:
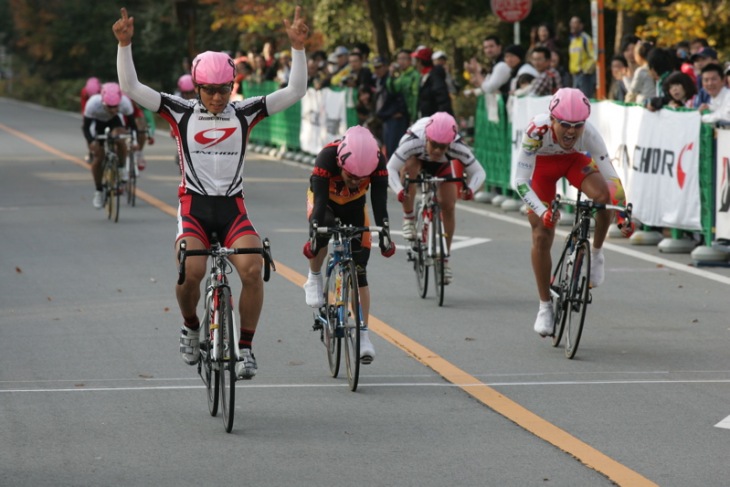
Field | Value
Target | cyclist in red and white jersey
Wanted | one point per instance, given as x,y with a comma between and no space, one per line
107,109
556,145
213,134
432,144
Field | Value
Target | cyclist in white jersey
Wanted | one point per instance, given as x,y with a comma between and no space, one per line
106,109
213,133
432,144
554,145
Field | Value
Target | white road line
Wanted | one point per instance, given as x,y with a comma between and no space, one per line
726,421
725,424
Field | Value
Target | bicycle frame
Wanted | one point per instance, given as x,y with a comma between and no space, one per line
341,256
218,280
341,317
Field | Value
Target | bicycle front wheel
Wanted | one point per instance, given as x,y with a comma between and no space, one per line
420,248
559,284
351,318
227,347
207,372
439,257
579,296
332,342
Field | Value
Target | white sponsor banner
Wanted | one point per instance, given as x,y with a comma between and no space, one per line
722,185
656,155
324,119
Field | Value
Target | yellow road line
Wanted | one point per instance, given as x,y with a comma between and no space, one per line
141,194
488,396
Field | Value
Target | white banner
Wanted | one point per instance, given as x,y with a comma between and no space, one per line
324,118
656,154
722,185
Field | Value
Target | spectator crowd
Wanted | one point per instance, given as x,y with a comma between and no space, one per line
392,94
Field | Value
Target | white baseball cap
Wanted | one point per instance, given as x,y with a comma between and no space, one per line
438,55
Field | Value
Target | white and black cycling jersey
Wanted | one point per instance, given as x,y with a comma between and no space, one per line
413,144
212,147
96,111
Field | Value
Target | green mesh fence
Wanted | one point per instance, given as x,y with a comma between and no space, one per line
280,129
493,146
707,182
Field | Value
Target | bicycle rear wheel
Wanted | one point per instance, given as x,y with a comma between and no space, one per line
559,283
352,321
420,248
227,347
579,296
440,255
205,367
332,342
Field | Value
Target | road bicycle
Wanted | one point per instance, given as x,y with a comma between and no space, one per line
219,332
131,168
340,318
112,186
429,248
570,287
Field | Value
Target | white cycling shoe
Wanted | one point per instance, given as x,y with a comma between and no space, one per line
367,351
313,291
544,321
409,229
98,200
597,269
246,366
190,345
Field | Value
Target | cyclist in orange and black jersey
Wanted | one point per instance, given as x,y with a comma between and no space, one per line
342,173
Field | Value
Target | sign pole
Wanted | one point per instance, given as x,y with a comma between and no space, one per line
600,47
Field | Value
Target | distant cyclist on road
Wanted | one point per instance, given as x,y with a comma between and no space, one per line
554,146
432,144
342,173
107,109
213,135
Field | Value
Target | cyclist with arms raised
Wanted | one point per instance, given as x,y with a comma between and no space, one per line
431,144
107,109
342,173
213,133
554,146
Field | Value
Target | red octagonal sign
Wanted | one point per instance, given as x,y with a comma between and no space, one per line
511,10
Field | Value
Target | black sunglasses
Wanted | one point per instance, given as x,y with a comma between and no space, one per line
213,89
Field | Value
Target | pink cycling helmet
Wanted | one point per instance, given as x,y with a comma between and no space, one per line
93,86
441,128
213,68
358,152
185,83
570,104
111,94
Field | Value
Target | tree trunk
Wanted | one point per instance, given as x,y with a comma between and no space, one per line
380,32
392,19
619,31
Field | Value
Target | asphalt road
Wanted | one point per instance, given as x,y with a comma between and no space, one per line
93,392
